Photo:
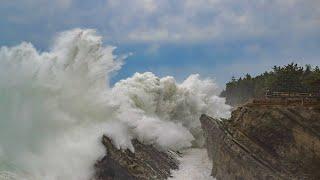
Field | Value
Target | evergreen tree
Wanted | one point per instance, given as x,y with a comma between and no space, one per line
288,78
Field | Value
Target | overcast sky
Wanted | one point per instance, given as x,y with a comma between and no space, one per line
215,38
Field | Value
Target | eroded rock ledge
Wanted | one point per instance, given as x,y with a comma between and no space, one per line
144,164
265,143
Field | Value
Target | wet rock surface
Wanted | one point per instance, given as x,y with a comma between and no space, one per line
265,143
145,163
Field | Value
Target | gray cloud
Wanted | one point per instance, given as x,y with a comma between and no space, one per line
202,20
176,21
240,35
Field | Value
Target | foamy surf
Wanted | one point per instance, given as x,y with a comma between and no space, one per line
195,164
56,105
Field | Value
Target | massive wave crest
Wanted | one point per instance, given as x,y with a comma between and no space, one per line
55,106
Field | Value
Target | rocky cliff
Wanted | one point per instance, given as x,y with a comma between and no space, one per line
265,142
145,163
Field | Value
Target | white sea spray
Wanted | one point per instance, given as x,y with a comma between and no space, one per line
56,105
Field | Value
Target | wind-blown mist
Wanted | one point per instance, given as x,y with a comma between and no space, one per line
55,106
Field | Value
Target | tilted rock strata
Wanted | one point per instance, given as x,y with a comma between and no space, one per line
265,143
144,164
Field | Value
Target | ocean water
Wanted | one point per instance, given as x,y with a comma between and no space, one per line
195,165
55,106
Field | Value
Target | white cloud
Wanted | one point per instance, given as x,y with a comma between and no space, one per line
181,20
64,3
201,20
149,35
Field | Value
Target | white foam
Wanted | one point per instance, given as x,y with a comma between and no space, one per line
195,164
56,105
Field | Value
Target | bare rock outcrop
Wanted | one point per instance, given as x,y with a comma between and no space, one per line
145,163
265,142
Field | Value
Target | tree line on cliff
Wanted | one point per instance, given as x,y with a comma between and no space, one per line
287,78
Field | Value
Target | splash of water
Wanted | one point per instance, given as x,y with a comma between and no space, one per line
195,164
55,106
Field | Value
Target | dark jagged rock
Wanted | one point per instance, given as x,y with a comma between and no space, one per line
145,163
265,143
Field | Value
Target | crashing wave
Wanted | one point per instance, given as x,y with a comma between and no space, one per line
55,105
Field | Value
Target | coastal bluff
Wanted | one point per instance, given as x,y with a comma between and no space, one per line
265,142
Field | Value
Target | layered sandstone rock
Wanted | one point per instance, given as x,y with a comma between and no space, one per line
145,163
265,142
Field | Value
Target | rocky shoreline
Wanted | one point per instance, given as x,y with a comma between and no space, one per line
257,142
265,143
146,163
